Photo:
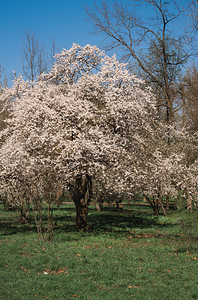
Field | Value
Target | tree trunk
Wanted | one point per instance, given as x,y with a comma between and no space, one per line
154,204
81,214
189,200
162,206
167,203
99,205
82,194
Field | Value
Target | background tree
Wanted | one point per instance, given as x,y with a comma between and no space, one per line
193,14
53,52
3,103
189,98
153,42
3,79
34,57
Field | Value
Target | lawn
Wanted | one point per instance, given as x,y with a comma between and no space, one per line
127,254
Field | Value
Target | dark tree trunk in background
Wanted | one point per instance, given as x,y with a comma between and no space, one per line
154,204
81,195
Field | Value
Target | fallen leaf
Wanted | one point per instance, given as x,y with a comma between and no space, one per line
57,272
24,269
135,286
60,271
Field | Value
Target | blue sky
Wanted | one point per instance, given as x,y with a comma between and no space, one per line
65,21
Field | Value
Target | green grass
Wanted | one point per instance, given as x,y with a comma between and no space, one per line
125,255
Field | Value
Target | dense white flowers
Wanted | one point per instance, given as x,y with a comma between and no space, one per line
88,115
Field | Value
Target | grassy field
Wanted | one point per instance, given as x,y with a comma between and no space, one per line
127,254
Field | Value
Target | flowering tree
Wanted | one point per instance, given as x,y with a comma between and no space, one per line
87,118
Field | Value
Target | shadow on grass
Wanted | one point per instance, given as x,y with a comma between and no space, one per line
119,221
111,221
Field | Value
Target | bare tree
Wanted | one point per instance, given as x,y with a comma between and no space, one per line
193,9
157,50
53,51
189,96
1,72
3,78
34,57
4,111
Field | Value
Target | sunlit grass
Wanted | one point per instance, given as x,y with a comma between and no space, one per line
125,255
